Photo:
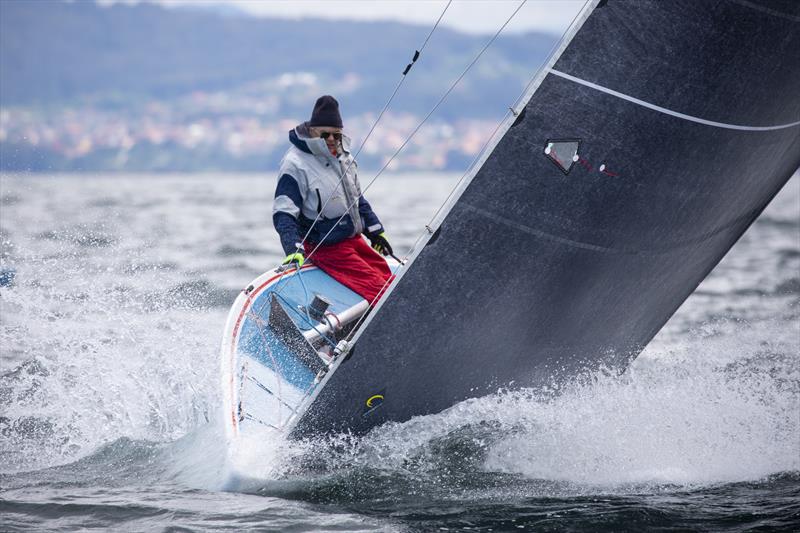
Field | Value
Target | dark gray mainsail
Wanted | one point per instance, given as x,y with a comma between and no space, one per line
651,141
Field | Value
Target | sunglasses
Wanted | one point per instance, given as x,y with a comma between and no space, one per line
336,135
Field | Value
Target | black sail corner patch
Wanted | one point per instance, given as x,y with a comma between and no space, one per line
562,152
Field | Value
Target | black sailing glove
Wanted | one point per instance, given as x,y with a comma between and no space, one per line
380,244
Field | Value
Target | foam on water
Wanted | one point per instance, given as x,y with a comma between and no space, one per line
676,422
694,417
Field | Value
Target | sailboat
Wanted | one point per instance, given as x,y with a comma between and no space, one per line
654,135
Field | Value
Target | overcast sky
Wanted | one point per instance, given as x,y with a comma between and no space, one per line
474,16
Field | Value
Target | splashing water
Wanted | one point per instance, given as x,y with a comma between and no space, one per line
98,363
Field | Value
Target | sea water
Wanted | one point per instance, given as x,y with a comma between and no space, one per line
109,385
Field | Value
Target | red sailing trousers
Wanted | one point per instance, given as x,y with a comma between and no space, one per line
353,264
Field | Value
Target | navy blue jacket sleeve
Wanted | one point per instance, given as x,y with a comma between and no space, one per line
372,225
286,210
288,231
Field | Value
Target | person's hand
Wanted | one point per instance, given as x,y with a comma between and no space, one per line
295,258
381,244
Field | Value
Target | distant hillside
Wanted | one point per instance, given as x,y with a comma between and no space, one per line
143,88
53,52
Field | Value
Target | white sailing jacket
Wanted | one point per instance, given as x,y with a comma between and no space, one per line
314,183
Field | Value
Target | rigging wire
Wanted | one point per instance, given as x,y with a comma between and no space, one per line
414,132
402,80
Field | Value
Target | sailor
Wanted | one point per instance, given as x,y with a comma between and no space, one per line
318,194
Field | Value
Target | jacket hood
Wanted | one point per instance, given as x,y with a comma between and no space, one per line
301,138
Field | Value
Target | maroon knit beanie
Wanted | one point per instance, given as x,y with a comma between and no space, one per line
326,113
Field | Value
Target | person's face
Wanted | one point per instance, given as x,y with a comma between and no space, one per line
332,136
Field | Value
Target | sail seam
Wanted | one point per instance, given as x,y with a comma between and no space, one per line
749,215
670,112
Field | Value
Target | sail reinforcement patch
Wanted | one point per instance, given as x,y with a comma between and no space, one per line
562,152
